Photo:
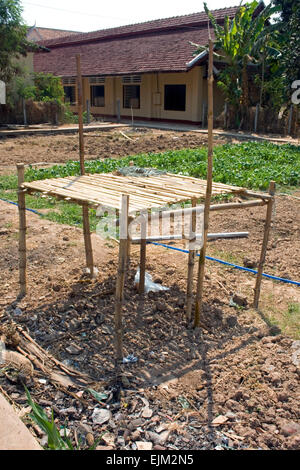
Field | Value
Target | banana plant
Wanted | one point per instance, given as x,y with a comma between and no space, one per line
241,41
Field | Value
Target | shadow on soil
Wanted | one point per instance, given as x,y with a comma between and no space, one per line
79,331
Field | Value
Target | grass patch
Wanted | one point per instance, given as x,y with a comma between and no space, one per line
252,165
224,255
286,317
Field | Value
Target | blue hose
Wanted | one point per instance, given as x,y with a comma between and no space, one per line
242,268
16,204
253,271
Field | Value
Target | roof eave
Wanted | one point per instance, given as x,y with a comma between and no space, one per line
198,58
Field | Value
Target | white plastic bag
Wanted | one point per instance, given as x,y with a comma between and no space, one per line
149,284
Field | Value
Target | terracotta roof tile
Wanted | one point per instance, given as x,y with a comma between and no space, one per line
191,20
160,45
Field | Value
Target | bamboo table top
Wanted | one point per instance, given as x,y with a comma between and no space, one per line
145,192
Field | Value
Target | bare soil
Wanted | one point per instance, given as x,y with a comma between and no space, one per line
49,149
240,368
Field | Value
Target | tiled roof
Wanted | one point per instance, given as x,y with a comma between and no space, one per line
193,20
155,46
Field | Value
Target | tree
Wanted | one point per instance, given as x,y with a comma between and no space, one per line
288,25
48,87
13,42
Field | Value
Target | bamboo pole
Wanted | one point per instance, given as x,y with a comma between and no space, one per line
213,207
80,116
210,237
22,231
87,239
264,245
191,263
120,283
201,265
143,254
85,207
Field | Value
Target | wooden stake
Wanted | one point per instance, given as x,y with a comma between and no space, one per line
191,263
199,295
264,245
85,209
120,282
22,231
143,254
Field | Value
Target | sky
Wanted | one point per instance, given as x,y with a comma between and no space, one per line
91,15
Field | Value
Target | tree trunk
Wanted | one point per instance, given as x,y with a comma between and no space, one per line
245,85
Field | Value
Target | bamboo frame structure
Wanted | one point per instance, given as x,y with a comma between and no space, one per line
145,193
22,230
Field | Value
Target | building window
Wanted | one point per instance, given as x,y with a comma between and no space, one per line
175,96
131,96
97,95
70,94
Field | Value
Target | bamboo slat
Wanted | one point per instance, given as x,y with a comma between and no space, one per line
145,192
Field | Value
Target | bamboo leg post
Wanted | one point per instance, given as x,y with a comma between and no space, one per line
120,284
143,254
87,240
264,245
22,231
201,265
191,263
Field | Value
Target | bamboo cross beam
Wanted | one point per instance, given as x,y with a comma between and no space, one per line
201,265
214,207
22,231
198,236
264,245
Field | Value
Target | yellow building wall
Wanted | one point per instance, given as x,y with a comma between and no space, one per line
219,99
152,87
193,82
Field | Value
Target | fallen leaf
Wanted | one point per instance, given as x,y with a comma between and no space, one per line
219,420
99,396
24,411
109,439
